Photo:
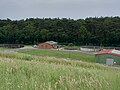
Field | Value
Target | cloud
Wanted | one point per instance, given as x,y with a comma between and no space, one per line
58,8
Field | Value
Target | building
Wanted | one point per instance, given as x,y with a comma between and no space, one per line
48,45
108,57
90,48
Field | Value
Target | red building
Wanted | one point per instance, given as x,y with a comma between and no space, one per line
48,45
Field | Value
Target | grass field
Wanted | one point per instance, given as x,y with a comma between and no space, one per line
61,54
2,49
26,72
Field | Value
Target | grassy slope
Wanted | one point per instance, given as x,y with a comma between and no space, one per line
24,72
61,54
2,49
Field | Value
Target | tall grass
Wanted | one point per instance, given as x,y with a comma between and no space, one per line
50,60
35,75
27,72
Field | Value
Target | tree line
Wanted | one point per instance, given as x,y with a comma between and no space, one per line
103,31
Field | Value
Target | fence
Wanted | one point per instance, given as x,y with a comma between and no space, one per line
11,45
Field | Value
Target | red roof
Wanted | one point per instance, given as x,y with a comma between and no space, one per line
105,52
110,51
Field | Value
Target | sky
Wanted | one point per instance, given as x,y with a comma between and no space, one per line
75,9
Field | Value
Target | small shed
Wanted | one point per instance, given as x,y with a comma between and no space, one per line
48,45
108,57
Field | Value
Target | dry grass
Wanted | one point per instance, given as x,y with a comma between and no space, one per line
24,72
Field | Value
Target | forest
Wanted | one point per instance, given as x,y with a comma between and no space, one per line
99,31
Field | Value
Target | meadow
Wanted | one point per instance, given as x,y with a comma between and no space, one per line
29,72
60,54
2,49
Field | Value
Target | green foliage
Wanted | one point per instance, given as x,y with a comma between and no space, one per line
90,31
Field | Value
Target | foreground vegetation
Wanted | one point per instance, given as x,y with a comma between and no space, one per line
61,54
27,72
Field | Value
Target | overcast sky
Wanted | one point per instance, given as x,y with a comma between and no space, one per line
22,9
